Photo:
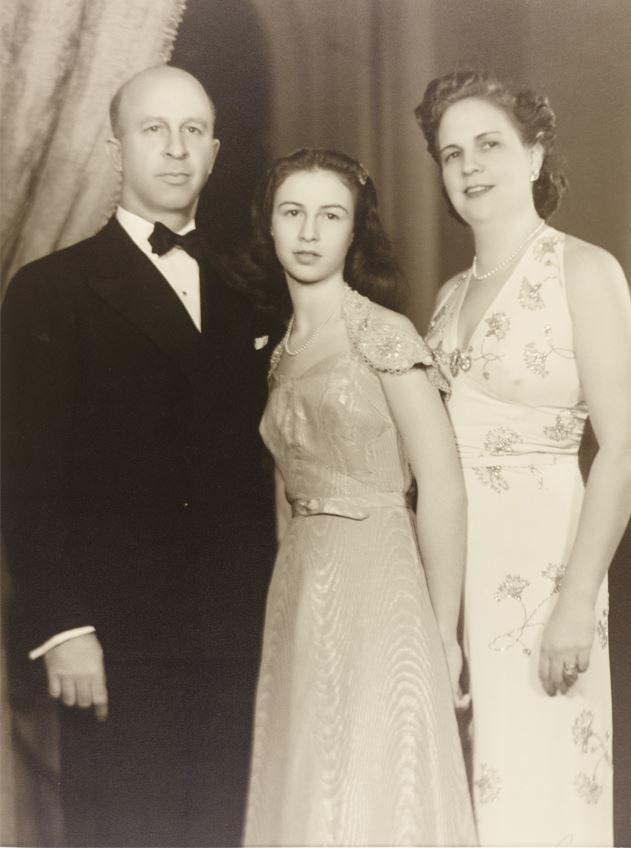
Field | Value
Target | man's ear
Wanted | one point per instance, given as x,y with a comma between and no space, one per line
215,145
114,153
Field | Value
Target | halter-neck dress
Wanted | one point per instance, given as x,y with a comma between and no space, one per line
542,770
355,737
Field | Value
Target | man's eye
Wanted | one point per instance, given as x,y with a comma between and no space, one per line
193,129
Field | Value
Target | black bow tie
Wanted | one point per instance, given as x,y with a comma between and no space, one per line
163,239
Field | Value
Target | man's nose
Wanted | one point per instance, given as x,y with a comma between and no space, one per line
176,145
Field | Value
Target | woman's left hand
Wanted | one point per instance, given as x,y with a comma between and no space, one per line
566,643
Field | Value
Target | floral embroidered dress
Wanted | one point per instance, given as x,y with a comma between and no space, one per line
355,739
542,772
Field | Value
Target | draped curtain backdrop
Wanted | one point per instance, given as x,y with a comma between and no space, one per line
288,73
62,61
348,75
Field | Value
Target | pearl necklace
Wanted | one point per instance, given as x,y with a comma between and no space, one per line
311,336
508,260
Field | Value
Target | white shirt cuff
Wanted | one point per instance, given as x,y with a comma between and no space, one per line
59,639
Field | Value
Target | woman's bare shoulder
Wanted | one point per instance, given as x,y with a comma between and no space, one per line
588,266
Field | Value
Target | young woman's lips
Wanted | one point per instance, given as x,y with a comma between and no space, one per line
307,257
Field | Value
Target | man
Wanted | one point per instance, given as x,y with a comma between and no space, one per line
136,513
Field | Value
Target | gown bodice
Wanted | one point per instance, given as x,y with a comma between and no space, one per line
330,430
515,389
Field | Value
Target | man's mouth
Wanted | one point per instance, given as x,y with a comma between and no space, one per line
175,177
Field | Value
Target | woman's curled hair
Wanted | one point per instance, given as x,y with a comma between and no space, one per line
530,113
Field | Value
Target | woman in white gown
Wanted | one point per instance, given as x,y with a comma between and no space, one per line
535,336
355,737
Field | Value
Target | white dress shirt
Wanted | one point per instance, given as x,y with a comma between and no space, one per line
178,267
182,273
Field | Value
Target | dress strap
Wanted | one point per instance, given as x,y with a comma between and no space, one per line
275,359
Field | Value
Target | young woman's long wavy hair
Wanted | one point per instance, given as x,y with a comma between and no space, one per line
371,267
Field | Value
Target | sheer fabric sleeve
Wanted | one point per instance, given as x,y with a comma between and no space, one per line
388,348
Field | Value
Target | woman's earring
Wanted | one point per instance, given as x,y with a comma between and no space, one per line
535,169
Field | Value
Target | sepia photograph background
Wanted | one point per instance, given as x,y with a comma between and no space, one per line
283,74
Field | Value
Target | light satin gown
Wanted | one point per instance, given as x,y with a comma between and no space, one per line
355,738
542,772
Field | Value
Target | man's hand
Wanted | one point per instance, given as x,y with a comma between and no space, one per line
76,674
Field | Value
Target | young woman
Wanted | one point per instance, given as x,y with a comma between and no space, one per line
534,336
355,739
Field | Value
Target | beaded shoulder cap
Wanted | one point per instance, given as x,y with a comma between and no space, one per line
382,345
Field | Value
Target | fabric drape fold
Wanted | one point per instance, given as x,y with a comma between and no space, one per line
65,59
348,75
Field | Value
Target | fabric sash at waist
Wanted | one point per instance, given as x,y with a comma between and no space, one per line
353,507
528,459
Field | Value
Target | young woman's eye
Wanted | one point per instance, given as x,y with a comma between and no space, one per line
452,155
153,128
490,143
332,217
291,213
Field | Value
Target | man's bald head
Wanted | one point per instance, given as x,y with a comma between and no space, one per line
163,145
147,78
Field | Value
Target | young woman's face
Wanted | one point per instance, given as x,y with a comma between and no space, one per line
486,167
312,225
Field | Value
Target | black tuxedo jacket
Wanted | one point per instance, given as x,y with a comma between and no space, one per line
134,494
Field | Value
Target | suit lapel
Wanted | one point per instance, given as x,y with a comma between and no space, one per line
132,285
222,312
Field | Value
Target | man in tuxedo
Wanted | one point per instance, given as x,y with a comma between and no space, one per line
137,515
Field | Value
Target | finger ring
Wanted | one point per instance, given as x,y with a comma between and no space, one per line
570,669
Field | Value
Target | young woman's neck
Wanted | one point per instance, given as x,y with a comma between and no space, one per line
313,302
497,239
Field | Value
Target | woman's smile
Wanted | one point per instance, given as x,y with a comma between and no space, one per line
477,190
